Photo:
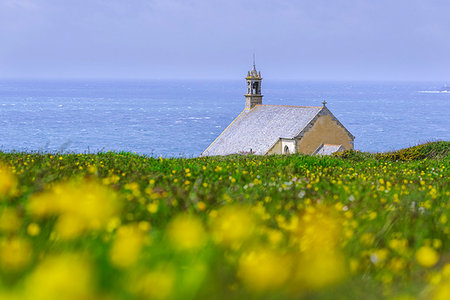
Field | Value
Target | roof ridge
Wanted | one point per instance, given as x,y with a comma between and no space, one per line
288,105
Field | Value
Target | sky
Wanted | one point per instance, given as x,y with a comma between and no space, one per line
401,40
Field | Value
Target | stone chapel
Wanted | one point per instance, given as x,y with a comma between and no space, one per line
264,129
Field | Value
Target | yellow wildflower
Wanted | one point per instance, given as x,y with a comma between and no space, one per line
8,182
201,205
80,205
318,229
61,277
153,207
320,268
127,246
144,226
155,284
9,220
427,256
263,270
186,233
367,238
233,225
399,245
33,229
15,253
442,292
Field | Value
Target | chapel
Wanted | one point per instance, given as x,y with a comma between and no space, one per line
264,129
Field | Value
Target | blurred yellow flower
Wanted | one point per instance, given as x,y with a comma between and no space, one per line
446,271
372,215
427,256
274,236
127,246
201,205
15,254
113,224
80,204
397,264
263,270
9,220
320,262
156,284
320,269
319,228
186,232
354,265
8,181
144,226
67,277
233,225
367,238
399,245
33,229
442,291
437,243
153,207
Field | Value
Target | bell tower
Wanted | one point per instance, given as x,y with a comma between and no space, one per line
253,96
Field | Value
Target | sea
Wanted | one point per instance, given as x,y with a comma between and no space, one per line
180,118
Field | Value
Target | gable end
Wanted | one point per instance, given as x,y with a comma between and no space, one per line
323,112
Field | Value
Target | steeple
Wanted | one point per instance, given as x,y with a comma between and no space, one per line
253,96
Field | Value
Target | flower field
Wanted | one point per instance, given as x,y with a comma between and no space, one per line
124,226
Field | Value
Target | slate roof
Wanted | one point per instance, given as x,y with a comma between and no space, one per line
327,149
260,128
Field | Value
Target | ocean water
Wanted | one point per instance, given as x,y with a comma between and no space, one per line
181,118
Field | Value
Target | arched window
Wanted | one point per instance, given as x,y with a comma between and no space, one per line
286,149
255,88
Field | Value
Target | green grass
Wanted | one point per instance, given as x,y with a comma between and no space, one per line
371,211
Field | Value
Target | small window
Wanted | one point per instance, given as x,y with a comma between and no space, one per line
286,150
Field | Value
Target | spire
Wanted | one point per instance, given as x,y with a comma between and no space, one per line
253,72
254,64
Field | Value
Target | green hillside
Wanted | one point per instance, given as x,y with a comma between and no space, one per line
122,226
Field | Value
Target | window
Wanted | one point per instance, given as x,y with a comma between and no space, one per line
286,149
255,88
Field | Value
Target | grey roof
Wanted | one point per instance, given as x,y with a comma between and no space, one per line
327,149
260,128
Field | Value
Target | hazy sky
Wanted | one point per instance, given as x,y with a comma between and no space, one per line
303,39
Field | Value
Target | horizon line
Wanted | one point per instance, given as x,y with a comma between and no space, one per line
209,79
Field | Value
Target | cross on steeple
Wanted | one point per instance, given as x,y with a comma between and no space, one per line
324,102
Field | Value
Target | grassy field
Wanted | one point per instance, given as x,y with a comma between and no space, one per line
123,226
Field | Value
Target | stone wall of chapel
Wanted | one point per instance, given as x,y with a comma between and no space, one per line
276,149
324,131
